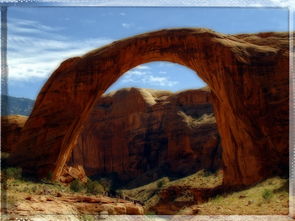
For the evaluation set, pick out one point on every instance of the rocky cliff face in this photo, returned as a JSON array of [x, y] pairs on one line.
[[11, 127], [132, 131]]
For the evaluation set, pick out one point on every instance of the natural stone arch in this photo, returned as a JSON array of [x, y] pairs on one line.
[[247, 74]]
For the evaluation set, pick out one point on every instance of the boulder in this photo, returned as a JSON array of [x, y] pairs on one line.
[[71, 173]]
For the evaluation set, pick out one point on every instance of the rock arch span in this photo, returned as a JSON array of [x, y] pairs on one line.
[[247, 74]]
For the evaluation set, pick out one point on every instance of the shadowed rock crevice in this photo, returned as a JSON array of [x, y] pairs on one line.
[[134, 131], [248, 75]]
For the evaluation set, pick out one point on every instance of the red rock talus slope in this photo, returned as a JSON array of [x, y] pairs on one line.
[[247, 74], [11, 127], [132, 131]]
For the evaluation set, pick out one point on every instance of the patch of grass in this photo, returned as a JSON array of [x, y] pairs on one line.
[[246, 202], [77, 186], [162, 182], [207, 173], [150, 213], [34, 187], [106, 183], [267, 194], [85, 217], [200, 179], [94, 187], [262, 199], [148, 194], [217, 198], [13, 173]]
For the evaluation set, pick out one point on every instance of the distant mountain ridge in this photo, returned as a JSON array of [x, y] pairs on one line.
[[16, 106]]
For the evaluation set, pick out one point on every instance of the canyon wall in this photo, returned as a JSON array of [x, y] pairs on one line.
[[133, 131]]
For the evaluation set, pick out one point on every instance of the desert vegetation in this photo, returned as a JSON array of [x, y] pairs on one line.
[[267, 197]]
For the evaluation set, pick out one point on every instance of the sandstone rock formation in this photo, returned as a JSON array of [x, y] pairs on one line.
[[66, 204], [73, 172], [175, 198], [247, 74], [11, 127], [133, 131]]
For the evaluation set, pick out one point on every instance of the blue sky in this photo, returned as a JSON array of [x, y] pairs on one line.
[[40, 38]]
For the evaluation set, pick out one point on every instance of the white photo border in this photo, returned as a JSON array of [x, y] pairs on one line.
[[289, 4]]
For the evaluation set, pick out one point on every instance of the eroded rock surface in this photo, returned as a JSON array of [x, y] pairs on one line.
[[66, 204], [247, 74], [133, 131], [71, 173], [11, 127]]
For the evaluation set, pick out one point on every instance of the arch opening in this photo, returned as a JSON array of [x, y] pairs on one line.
[[160, 76], [138, 131]]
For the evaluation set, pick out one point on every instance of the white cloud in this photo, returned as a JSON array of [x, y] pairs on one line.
[[38, 54], [122, 13], [161, 81], [35, 51], [162, 72], [142, 67], [283, 3], [137, 73], [143, 74], [33, 25], [127, 25]]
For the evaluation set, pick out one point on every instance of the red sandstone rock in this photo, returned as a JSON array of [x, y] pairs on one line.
[[174, 199], [132, 131], [73, 172], [76, 205], [247, 74], [11, 127]]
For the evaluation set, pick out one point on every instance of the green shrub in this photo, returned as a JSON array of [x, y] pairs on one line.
[[13, 172], [207, 173], [4, 155], [120, 193], [85, 217], [150, 213], [160, 183], [217, 198], [267, 194], [26, 189], [76, 186], [34, 189], [106, 183], [94, 187]]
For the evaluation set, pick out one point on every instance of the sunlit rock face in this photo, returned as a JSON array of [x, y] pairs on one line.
[[248, 76], [133, 131]]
